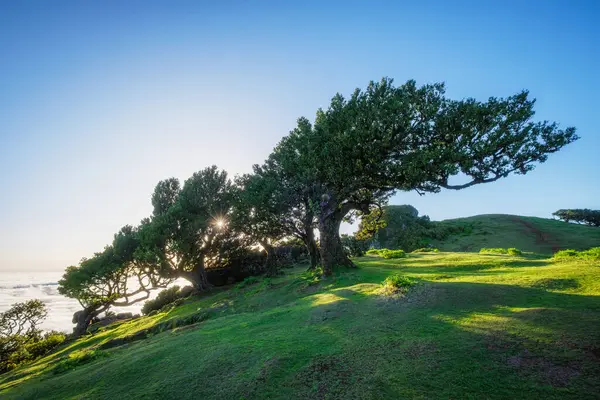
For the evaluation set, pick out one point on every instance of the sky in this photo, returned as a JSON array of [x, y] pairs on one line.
[[101, 100]]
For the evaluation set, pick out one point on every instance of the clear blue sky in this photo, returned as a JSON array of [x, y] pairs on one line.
[[101, 100]]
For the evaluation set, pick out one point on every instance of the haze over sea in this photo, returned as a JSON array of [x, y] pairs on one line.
[[21, 286]]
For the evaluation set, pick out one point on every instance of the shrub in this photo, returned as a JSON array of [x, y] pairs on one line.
[[163, 299], [251, 280], [426, 250], [373, 252], [385, 253], [489, 250], [592, 254], [513, 251], [50, 341], [396, 283]]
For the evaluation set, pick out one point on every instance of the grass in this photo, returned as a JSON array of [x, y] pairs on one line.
[[529, 234], [471, 326]]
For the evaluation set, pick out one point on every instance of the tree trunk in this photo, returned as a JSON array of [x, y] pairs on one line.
[[271, 263], [332, 252], [311, 247], [83, 318], [197, 277]]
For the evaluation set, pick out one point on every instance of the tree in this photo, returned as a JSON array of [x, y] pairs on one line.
[[395, 227], [117, 276], [270, 209], [580, 216], [362, 149], [18, 329], [189, 225], [23, 319]]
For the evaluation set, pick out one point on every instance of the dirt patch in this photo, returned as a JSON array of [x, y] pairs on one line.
[[325, 377], [542, 238], [553, 374]]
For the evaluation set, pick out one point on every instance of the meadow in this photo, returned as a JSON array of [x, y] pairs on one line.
[[471, 326]]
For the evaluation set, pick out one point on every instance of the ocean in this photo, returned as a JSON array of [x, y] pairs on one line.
[[21, 286]]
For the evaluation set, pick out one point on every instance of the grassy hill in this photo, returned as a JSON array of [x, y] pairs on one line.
[[474, 326], [538, 235]]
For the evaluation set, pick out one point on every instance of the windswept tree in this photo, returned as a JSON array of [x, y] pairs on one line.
[[364, 148], [114, 277], [189, 225], [23, 319], [579, 215]]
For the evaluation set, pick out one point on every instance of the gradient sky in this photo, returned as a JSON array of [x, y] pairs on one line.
[[101, 100]]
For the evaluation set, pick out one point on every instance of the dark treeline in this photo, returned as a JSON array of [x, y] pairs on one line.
[[346, 163], [579, 216]]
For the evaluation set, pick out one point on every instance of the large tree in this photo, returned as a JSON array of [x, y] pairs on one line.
[[116, 276], [362, 149], [189, 225]]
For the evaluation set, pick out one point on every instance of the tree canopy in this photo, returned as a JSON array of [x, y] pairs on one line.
[[580, 216], [362, 149]]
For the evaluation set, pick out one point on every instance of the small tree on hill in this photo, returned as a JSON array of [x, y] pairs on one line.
[[114, 277], [580, 216], [362, 149]]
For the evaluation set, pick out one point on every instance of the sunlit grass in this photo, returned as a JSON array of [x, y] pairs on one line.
[[303, 336]]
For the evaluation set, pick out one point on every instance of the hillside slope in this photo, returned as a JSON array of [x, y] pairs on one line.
[[538, 235], [475, 326]]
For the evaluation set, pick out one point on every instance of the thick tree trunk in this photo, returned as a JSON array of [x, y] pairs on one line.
[[332, 252], [311, 247], [83, 318], [271, 263], [197, 277]]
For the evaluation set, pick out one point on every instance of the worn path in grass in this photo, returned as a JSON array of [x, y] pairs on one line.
[[475, 326]]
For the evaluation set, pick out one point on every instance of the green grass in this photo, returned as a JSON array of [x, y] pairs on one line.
[[471, 326], [529, 234]]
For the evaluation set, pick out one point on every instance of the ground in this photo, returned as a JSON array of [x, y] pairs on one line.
[[474, 326], [538, 235]]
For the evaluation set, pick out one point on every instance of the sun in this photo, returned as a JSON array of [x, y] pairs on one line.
[[220, 223]]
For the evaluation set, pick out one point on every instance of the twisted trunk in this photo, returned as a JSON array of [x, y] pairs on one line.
[[83, 318], [197, 277], [330, 219], [271, 263]]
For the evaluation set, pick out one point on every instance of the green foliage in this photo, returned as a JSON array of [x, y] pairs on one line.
[[353, 246], [251, 280], [580, 216], [398, 227], [20, 339], [513, 251], [592, 254], [373, 252], [397, 283], [388, 254], [163, 299], [426, 250]]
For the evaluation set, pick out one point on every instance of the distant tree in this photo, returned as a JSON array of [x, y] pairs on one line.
[[117, 276], [395, 227], [580, 216], [353, 246], [23, 319], [364, 148], [189, 225], [19, 329]]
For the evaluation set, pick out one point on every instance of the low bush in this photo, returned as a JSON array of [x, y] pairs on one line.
[[396, 283], [49, 342], [251, 280], [592, 254], [426, 250], [373, 252], [163, 299], [513, 251], [385, 253]]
